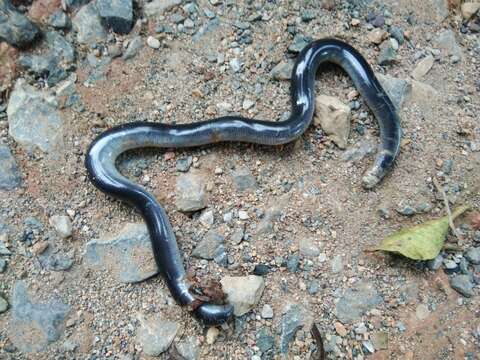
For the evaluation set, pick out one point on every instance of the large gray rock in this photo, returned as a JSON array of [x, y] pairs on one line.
[[208, 247], [33, 119], [9, 173], [155, 334], [397, 89], [88, 25], [116, 14], [190, 193], [356, 301], [243, 292], [128, 256], [15, 28], [35, 325], [158, 7], [446, 42]]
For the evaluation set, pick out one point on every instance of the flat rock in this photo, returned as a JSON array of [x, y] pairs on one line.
[[265, 341], [243, 179], [360, 150], [282, 71], [208, 247], [446, 42], [337, 264], [243, 292], [334, 118], [422, 94], [292, 321], [128, 255], [15, 28], [462, 284], [116, 14], [387, 55], [35, 325], [423, 67], [439, 9], [3, 305], [190, 193], [396, 89], [33, 118], [188, 348], [308, 248], [59, 20], [9, 173], [356, 301], [158, 7], [88, 25], [155, 334]]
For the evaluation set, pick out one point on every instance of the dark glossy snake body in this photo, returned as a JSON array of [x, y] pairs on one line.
[[105, 149]]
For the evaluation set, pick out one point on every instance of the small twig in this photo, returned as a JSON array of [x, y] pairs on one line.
[[320, 354], [447, 208]]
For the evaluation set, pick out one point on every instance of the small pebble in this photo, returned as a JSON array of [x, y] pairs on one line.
[[152, 42], [267, 312]]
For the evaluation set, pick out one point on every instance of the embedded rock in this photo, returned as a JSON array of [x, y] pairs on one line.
[[128, 256]]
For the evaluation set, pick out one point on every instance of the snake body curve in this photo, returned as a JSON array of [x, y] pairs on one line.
[[105, 149]]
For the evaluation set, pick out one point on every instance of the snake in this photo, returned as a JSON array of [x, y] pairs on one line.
[[103, 152]]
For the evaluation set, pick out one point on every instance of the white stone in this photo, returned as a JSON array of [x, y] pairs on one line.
[[267, 312], [247, 104], [334, 118], [152, 42], [469, 9], [212, 335], [62, 225], [423, 67], [243, 215], [243, 292]]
